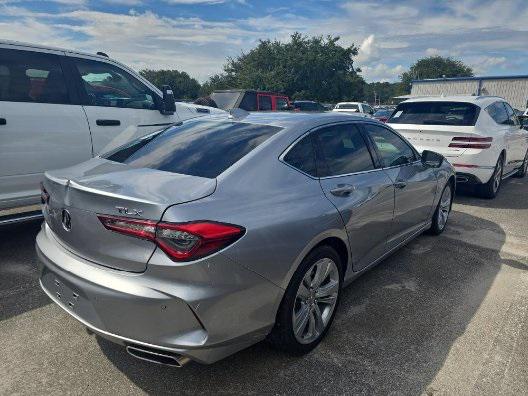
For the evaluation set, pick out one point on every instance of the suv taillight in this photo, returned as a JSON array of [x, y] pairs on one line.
[[471, 142], [179, 241]]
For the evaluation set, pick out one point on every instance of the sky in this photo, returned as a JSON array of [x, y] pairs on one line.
[[196, 36]]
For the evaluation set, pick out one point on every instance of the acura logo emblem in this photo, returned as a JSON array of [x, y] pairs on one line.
[[66, 220]]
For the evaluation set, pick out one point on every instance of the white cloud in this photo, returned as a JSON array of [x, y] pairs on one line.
[[382, 72]]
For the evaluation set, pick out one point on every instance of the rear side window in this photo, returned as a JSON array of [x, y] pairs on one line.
[[27, 76], [498, 112], [197, 148], [264, 102], [110, 86], [435, 113], [302, 156], [342, 150]]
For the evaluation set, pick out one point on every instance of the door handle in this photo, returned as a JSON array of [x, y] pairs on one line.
[[108, 122], [400, 185], [3, 121], [343, 190]]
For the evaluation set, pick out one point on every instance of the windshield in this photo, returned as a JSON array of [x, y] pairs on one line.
[[435, 113], [197, 148]]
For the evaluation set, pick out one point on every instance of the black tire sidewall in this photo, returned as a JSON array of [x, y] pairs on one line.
[[435, 226], [282, 335]]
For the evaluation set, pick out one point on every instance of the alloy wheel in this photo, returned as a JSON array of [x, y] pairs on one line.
[[444, 207], [315, 300]]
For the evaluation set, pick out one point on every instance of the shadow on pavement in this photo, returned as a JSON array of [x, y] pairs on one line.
[[19, 287], [512, 195], [393, 330]]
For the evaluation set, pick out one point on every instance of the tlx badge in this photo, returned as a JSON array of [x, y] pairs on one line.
[[127, 211]]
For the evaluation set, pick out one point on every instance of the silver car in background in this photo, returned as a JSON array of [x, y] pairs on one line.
[[197, 241]]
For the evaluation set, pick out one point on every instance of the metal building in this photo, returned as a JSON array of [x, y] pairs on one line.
[[512, 88]]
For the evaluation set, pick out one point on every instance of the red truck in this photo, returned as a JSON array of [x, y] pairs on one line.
[[250, 100]]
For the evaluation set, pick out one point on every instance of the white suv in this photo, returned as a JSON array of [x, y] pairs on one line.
[[480, 135], [358, 108], [60, 107]]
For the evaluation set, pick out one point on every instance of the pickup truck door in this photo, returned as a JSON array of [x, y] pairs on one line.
[[119, 107], [41, 127]]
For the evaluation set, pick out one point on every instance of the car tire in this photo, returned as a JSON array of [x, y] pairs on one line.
[[524, 168], [490, 189], [307, 310], [443, 209]]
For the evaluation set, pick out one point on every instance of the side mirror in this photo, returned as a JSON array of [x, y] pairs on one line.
[[168, 105], [432, 159]]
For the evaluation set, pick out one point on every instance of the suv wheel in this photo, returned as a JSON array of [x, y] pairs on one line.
[[309, 303], [524, 168], [490, 189]]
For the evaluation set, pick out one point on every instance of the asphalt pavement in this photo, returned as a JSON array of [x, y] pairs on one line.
[[444, 315]]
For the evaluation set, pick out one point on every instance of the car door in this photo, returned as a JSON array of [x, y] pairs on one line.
[[518, 138], [362, 192], [414, 183], [505, 130], [119, 107], [41, 127]]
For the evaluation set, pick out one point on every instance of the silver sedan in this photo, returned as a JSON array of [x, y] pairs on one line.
[[197, 241]]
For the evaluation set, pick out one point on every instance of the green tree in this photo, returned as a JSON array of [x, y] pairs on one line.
[[434, 67], [184, 86], [383, 92], [315, 68]]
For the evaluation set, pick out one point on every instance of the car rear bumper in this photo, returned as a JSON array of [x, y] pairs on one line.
[[203, 321]]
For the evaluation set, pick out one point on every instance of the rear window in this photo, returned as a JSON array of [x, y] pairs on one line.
[[348, 106], [197, 148], [435, 113]]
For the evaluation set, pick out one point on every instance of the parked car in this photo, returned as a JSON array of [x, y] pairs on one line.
[[308, 105], [480, 135], [61, 107], [382, 115], [168, 246], [362, 109], [250, 100]]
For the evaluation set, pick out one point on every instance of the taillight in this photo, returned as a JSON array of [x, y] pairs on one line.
[[44, 196], [180, 241], [471, 142]]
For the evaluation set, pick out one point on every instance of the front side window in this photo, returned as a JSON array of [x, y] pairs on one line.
[[264, 102], [302, 156], [368, 109], [498, 112], [511, 114], [27, 76], [393, 149], [109, 86], [342, 150], [197, 148], [435, 113]]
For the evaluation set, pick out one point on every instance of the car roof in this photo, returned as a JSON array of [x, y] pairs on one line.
[[304, 121], [349, 103], [481, 101], [45, 47]]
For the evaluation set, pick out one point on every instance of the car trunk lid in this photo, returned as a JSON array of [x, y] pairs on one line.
[[77, 195]]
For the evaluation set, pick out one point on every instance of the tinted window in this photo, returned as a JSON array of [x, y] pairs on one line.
[[249, 102], [382, 113], [109, 86], [198, 148], [392, 149], [27, 76], [511, 114], [348, 106], [264, 102], [342, 150], [498, 112], [302, 156], [368, 109], [435, 113]]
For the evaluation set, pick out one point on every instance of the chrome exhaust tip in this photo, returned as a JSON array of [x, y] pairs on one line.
[[157, 356]]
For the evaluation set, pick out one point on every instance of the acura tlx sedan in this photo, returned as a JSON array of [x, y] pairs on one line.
[[197, 241]]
